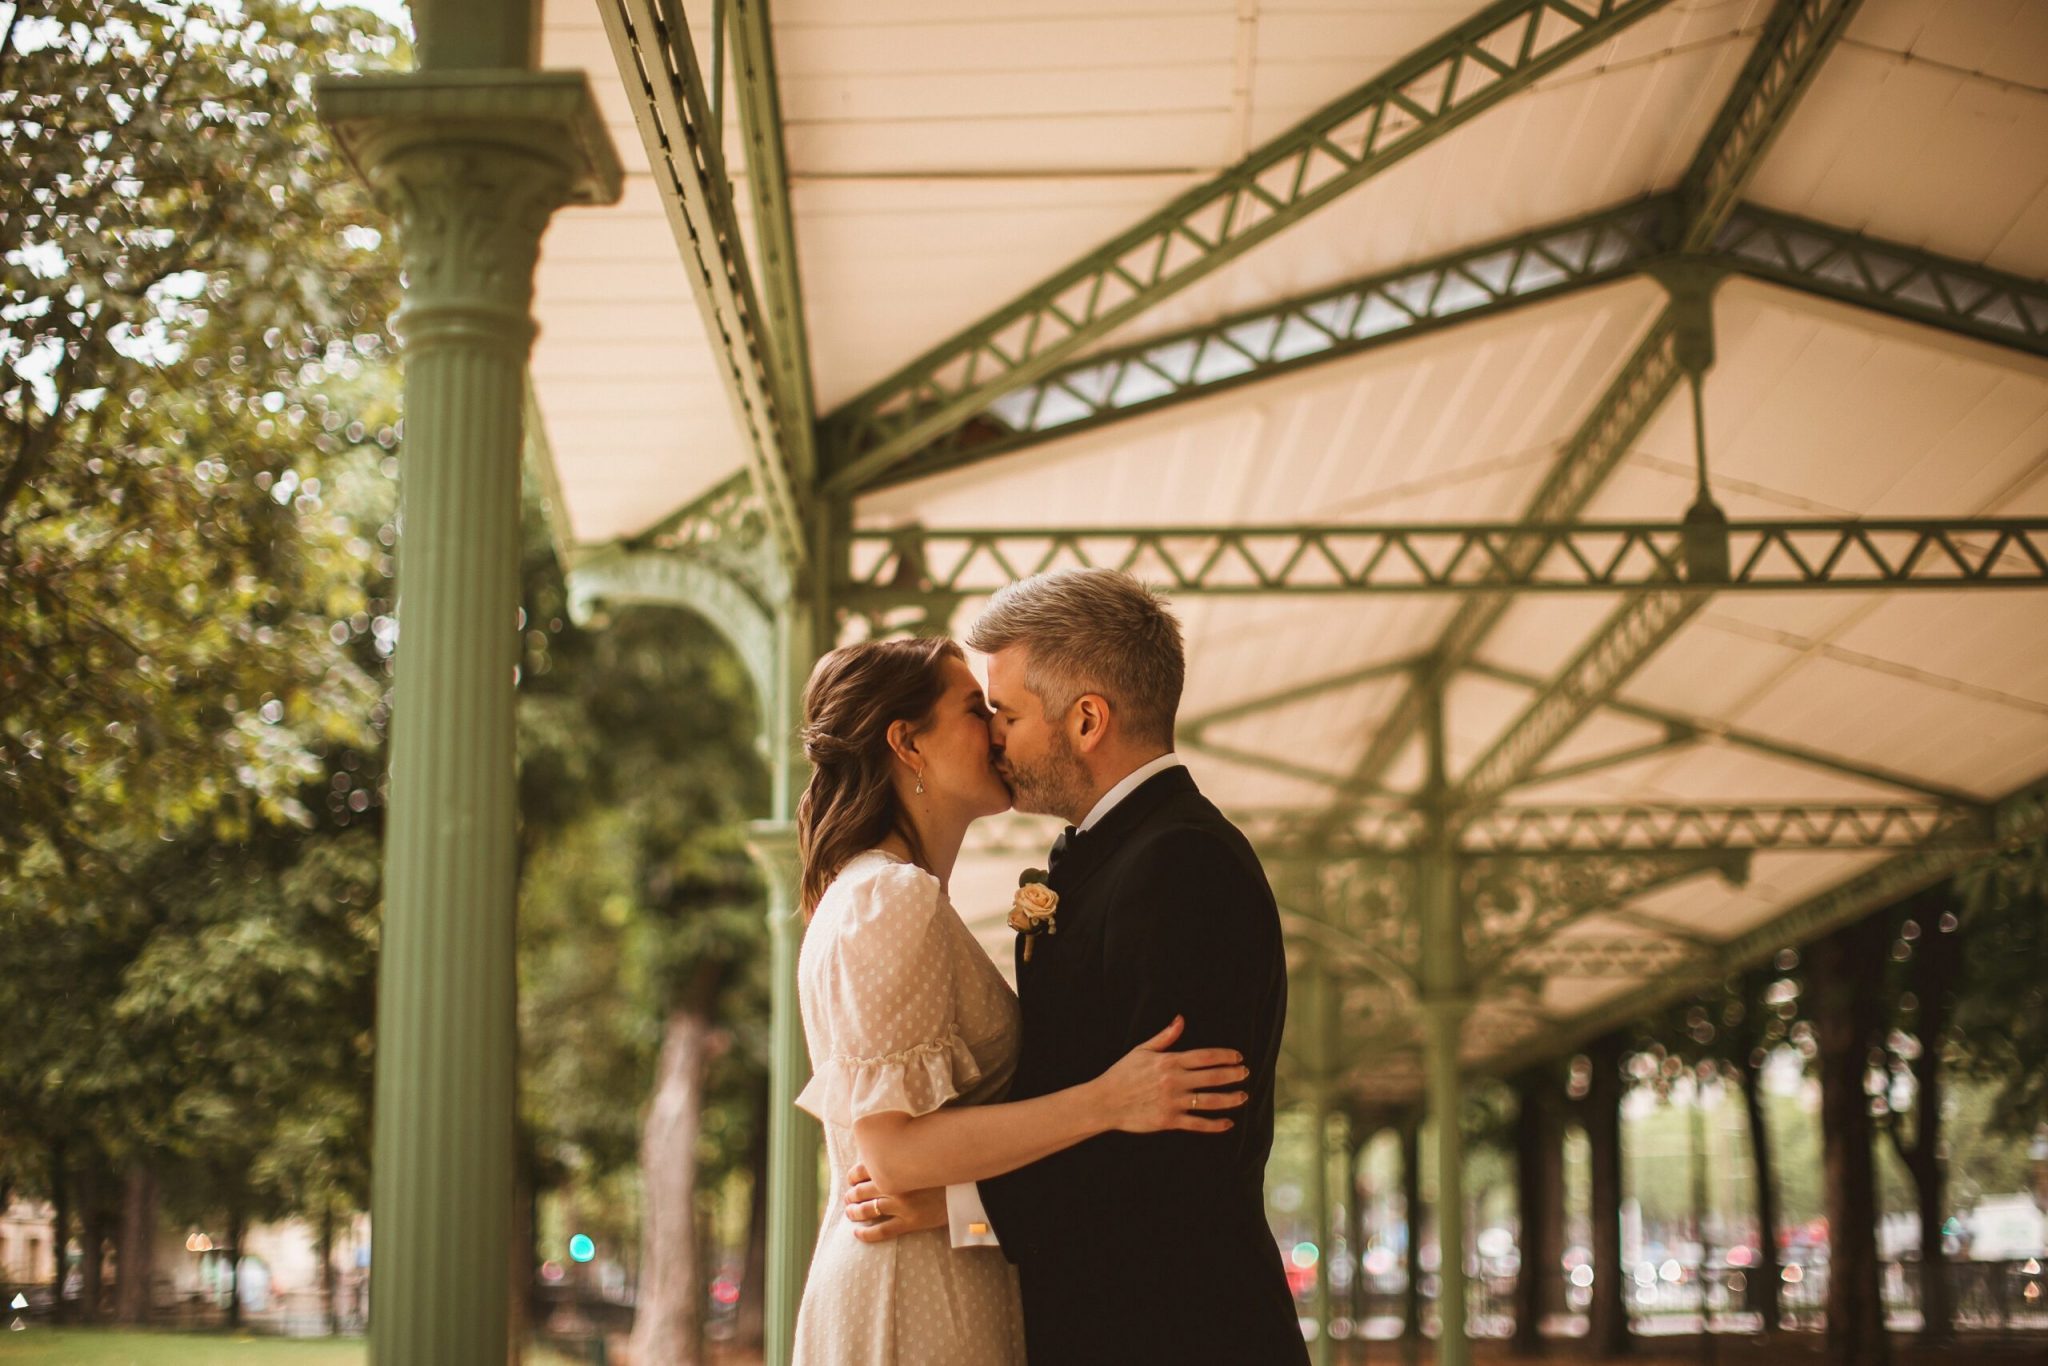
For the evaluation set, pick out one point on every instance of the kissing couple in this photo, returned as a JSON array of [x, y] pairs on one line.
[[1071, 1173]]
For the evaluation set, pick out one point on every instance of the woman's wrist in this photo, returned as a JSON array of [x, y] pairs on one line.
[[1097, 1106]]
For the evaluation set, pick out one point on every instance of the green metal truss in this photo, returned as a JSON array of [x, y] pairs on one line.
[[1957, 296], [1515, 904], [2020, 816], [788, 341], [1390, 830], [651, 42], [902, 567], [1622, 644], [1796, 39], [1623, 827], [1477, 283], [1714, 732], [1635, 394], [1361, 315], [1474, 66], [1630, 956]]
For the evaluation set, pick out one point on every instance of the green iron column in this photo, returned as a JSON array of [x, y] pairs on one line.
[[470, 163], [1445, 1002], [1322, 1023], [793, 1196]]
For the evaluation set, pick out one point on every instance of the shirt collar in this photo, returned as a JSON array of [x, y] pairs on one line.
[[1130, 783]]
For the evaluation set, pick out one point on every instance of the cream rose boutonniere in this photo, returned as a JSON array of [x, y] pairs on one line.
[[1035, 910]]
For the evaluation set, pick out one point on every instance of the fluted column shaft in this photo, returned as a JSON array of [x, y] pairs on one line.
[[471, 169]]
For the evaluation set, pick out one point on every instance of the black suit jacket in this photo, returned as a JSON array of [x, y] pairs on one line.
[[1141, 1248]]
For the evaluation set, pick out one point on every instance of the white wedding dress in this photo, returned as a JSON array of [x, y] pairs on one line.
[[902, 1011]]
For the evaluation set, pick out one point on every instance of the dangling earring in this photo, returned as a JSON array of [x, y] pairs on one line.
[[920, 784]]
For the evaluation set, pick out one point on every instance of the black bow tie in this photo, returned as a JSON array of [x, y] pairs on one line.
[[1060, 848]]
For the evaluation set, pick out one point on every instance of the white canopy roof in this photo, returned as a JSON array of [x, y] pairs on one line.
[[945, 158]]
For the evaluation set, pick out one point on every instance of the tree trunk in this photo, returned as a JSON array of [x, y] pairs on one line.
[[668, 1324], [135, 1279], [1932, 978], [92, 1240], [751, 1314], [1765, 1279], [1848, 968], [521, 1249], [1608, 1335], [1535, 1137], [238, 1227], [327, 1280], [1411, 1220], [60, 1232], [1361, 1131]]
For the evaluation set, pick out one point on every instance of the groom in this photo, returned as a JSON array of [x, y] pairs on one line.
[[1130, 1249]]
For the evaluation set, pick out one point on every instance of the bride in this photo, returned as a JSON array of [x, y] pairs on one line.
[[913, 1033]]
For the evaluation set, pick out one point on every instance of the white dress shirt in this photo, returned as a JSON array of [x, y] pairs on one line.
[[966, 1220]]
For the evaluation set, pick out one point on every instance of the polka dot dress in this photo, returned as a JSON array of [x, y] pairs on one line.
[[902, 1011]]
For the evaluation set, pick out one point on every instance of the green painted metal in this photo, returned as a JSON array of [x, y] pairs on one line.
[[1604, 956], [612, 578], [2020, 816], [1714, 732], [1627, 828], [1795, 41], [1905, 282], [788, 340], [1777, 72], [1600, 763], [1444, 977], [1470, 68], [471, 164], [1517, 904], [1321, 1009], [1300, 692], [1635, 394], [1414, 300], [650, 40], [1395, 829], [902, 567], [1617, 649]]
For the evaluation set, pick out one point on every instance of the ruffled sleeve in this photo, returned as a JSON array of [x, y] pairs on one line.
[[890, 1006]]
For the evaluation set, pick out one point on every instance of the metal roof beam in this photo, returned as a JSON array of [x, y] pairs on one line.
[[788, 343], [1796, 37], [651, 42], [1498, 52], [2018, 817], [1713, 732], [903, 567], [1904, 282], [1631, 399], [1622, 644], [1415, 299], [1547, 896]]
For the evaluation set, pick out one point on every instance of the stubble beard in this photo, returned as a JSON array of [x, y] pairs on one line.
[[1056, 786]]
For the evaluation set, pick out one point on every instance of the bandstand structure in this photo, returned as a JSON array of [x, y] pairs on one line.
[[1598, 448]]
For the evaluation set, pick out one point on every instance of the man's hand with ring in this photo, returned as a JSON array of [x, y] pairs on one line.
[[878, 1217]]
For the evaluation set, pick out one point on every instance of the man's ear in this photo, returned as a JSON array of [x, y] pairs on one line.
[[1090, 719]]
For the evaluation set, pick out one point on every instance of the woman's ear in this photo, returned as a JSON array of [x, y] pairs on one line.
[[902, 738]]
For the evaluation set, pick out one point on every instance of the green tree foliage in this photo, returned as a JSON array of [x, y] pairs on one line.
[[638, 765], [196, 421], [2001, 1018]]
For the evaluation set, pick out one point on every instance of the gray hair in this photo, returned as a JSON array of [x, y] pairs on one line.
[[1092, 631]]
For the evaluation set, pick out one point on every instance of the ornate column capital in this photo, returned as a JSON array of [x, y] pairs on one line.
[[472, 164]]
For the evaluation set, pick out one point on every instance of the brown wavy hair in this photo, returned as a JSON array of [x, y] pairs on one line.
[[855, 694]]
